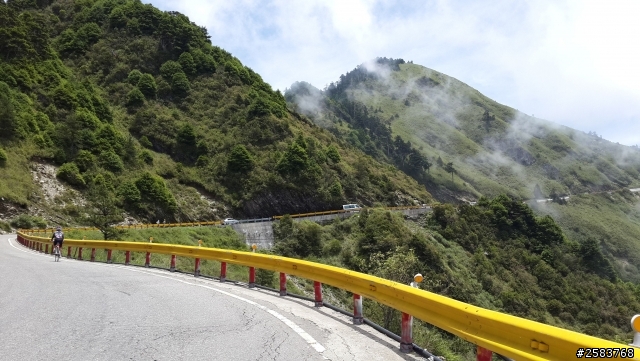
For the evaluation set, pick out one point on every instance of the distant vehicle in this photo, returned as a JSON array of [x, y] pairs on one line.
[[228, 221], [351, 207]]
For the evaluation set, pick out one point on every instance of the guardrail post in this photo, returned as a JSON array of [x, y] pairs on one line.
[[358, 319], [196, 272], [482, 354], [69, 252], [147, 260], [252, 277], [79, 252], [46, 248], [127, 258], [93, 254], [317, 288], [172, 268], [406, 333], [406, 330], [223, 271], [109, 260], [283, 284]]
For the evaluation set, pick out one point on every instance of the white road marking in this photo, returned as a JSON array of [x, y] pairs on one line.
[[297, 329]]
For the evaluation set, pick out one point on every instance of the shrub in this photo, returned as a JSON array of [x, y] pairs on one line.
[[109, 160], [70, 173], [144, 141], [3, 157], [265, 277], [134, 77], [85, 160], [332, 153], [333, 248], [5, 226], [146, 157], [147, 85], [135, 98], [26, 221]]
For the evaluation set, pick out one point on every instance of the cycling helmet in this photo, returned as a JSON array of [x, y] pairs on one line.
[[58, 228]]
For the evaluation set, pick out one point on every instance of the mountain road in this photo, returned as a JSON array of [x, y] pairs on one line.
[[78, 310]]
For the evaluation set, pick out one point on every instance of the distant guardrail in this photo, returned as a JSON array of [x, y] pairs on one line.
[[220, 223], [507, 335]]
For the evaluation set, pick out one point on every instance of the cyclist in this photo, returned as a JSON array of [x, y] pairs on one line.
[[57, 238]]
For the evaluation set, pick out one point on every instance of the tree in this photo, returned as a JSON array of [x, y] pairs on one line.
[[180, 85], [239, 160], [103, 207], [294, 160], [332, 153], [488, 118], [169, 69], [7, 114], [85, 160], [187, 63], [440, 162], [135, 98], [147, 85], [450, 169]]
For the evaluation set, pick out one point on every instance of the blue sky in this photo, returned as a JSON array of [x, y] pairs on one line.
[[573, 62]]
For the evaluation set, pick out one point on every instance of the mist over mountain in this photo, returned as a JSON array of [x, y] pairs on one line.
[[462, 145]]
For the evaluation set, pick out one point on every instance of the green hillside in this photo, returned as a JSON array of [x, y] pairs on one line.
[[138, 103], [462, 145]]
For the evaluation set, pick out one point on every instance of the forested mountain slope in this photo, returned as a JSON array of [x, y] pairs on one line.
[[138, 103], [462, 145]]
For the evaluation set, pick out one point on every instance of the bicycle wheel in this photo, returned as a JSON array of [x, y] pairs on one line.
[[56, 254]]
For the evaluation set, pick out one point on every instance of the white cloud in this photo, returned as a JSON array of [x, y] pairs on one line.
[[574, 62]]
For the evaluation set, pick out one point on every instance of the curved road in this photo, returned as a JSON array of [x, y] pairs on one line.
[[77, 310]]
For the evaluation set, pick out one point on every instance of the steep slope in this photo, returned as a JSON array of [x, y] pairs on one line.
[[122, 95], [462, 145]]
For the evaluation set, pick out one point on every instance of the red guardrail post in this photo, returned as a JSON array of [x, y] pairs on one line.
[[283, 284], [109, 260], [482, 354], [406, 333], [358, 319], [252, 277], [173, 263], [69, 252], [93, 254], [147, 260], [317, 288], [127, 258], [196, 272], [223, 271], [79, 252]]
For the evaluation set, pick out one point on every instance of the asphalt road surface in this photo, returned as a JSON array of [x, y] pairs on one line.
[[77, 310]]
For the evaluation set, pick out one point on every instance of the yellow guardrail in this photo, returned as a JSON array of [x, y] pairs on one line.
[[215, 223], [510, 336]]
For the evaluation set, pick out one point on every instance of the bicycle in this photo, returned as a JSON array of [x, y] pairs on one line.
[[56, 253]]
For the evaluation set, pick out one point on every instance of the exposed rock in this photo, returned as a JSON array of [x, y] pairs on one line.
[[282, 202], [45, 175], [551, 171]]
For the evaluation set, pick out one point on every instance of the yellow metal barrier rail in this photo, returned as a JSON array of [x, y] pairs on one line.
[[510, 336], [216, 223]]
